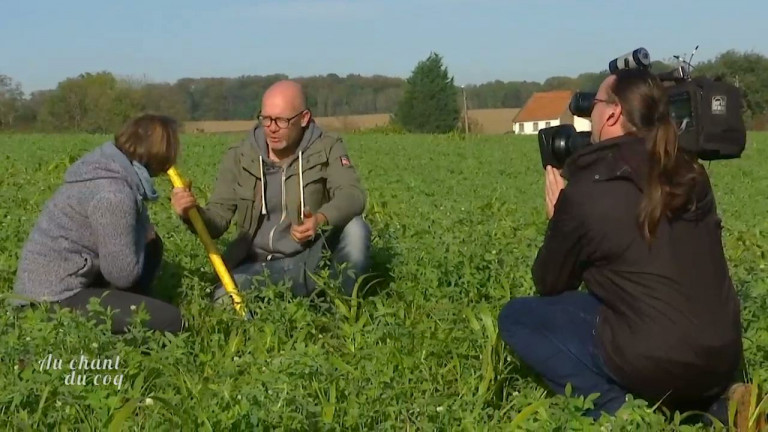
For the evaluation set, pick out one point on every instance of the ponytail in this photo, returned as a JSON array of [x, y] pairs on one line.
[[661, 143], [671, 178], [672, 173]]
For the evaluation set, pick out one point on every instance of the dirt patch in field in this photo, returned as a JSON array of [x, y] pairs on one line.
[[486, 121], [492, 120]]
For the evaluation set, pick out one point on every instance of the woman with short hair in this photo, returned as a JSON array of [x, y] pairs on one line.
[[94, 238]]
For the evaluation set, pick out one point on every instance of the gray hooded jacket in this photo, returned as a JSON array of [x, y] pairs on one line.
[[273, 239], [95, 222]]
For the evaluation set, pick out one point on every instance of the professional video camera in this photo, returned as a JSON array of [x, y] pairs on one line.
[[707, 113]]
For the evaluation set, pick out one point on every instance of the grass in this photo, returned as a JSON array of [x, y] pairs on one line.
[[456, 226]]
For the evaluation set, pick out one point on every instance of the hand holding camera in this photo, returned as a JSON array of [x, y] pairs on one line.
[[553, 184]]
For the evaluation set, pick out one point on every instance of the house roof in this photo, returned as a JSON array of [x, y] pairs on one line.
[[544, 106]]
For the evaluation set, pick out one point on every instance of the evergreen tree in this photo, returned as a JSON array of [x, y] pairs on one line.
[[430, 102]]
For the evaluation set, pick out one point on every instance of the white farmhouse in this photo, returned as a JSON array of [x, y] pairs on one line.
[[545, 109]]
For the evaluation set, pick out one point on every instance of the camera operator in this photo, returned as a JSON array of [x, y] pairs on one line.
[[638, 224]]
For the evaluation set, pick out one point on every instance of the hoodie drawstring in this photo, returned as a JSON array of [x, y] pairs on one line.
[[263, 189], [301, 186]]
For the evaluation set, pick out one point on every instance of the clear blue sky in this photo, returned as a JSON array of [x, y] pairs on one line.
[[44, 42]]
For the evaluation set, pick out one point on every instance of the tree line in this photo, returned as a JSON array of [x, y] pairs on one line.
[[100, 102]]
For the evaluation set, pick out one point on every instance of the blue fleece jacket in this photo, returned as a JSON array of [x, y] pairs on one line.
[[96, 222]]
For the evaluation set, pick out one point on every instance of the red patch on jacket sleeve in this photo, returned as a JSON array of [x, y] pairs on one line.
[[344, 161]]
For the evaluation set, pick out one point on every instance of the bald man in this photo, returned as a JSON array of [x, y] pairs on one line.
[[293, 191]]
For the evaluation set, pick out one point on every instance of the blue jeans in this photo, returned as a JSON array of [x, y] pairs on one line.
[[350, 247], [555, 336]]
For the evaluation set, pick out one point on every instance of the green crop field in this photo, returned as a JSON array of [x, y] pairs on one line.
[[456, 227]]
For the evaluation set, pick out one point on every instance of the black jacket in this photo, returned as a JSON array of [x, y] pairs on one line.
[[670, 320]]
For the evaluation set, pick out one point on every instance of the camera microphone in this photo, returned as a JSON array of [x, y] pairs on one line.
[[639, 58]]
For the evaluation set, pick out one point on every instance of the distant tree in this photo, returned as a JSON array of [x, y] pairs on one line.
[[559, 83], [662, 65], [749, 71], [90, 102], [164, 98], [430, 101], [590, 81], [31, 107], [100, 102], [11, 98]]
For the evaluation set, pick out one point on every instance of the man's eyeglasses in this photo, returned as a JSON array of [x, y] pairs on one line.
[[281, 122]]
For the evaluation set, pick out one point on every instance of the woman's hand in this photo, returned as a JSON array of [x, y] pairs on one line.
[[553, 184], [183, 200]]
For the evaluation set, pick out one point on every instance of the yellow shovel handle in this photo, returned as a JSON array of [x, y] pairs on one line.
[[210, 247]]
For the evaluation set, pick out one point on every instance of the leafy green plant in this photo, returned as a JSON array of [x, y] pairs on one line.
[[456, 224]]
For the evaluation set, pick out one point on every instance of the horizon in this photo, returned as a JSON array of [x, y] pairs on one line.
[[199, 40]]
